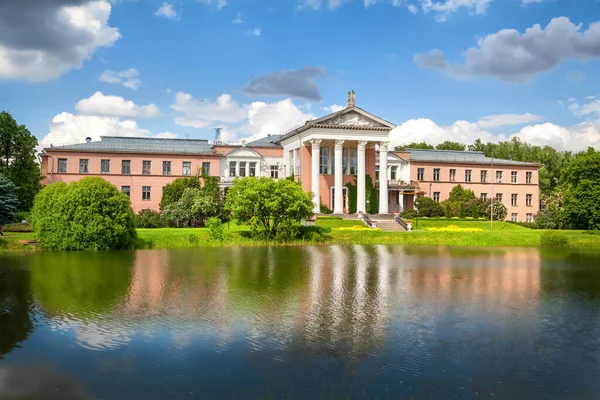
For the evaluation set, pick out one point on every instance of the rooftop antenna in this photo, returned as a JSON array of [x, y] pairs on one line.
[[218, 135]]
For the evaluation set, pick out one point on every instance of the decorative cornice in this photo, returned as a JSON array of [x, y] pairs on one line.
[[354, 127]]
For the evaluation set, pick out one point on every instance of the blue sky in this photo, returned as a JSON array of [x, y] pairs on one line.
[[439, 69]]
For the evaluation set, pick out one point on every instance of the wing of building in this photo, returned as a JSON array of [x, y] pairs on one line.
[[350, 146]]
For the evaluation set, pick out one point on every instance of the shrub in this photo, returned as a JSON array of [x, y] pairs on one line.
[[447, 209], [409, 214], [193, 239], [474, 211], [428, 207], [150, 219], [554, 239], [17, 227], [193, 209], [499, 210], [461, 211], [324, 210], [23, 215], [173, 191], [90, 214], [216, 229]]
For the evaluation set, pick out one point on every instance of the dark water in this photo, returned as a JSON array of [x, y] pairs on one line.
[[306, 323]]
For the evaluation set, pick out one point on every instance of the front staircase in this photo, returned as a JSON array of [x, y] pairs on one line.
[[385, 222]]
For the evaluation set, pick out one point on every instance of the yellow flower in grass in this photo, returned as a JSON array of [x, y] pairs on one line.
[[454, 228], [358, 228]]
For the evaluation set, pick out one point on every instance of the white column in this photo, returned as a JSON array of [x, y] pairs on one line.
[[361, 194], [401, 200], [316, 177], [237, 169], [383, 178], [338, 207]]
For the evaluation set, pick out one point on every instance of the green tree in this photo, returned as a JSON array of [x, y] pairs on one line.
[[8, 201], [428, 207], [267, 205], [415, 145], [193, 208], [552, 213], [582, 194], [458, 193], [173, 191], [448, 145], [18, 160], [461, 211], [447, 209], [90, 214], [499, 210], [474, 211]]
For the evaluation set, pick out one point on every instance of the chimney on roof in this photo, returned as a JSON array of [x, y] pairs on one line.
[[88, 139]]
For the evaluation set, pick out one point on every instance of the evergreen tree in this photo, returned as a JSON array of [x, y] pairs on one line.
[[8, 201]]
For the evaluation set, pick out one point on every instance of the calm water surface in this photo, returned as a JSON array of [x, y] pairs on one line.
[[306, 323]]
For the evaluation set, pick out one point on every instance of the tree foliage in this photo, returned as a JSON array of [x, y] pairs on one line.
[[173, 191], [193, 208], [458, 193], [428, 207], [90, 214], [18, 160], [415, 145], [582, 191], [499, 210], [8, 201], [448, 145], [267, 205]]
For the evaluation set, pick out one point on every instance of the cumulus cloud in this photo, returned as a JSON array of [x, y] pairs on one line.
[[333, 108], [218, 4], [443, 9], [130, 78], [202, 113], [331, 4], [167, 10], [41, 39], [274, 118], [591, 109], [300, 84], [114, 106], [514, 57], [498, 120]]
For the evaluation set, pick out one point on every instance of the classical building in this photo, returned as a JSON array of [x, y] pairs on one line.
[[348, 146]]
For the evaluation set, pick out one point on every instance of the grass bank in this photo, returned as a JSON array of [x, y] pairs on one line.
[[504, 234]]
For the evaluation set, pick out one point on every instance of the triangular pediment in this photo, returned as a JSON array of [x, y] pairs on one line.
[[352, 118], [242, 152]]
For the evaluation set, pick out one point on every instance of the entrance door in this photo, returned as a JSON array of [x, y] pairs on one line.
[[344, 199]]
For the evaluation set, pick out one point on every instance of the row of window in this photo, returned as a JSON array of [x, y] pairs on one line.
[[146, 191], [126, 167], [238, 169], [514, 198], [514, 176]]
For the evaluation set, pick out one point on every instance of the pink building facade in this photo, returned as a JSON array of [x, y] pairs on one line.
[[323, 154]]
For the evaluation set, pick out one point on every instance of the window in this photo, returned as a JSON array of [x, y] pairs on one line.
[[483, 176], [187, 168], [420, 174], [126, 190], [529, 217], [324, 160], [83, 165], [393, 172], [166, 167], [436, 174], [436, 196], [377, 172], [62, 165], [513, 199], [145, 192], [296, 161], [483, 196], [232, 165], [528, 176], [499, 197], [146, 167], [514, 217], [291, 164], [105, 166], [513, 177], [498, 176], [206, 168], [528, 200], [126, 167], [353, 161], [452, 175], [274, 171], [468, 175], [252, 169], [345, 162], [242, 168]]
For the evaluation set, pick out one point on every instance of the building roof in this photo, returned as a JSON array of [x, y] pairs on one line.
[[140, 145], [267, 141], [453, 156]]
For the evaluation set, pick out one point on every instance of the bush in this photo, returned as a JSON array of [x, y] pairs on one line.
[[90, 214], [17, 227], [150, 219], [447, 209], [193, 239], [409, 214], [428, 207], [554, 239], [474, 211], [499, 210], [216, 229], [461, 211], [324, 210], [23, 215]]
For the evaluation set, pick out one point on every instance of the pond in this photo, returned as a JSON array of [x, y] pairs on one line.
[[301, 322]]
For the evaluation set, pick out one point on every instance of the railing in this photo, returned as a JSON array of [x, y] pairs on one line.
[[370, 223], [401, 221]]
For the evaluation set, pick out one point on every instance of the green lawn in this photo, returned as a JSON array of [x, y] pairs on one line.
[[424, 223]]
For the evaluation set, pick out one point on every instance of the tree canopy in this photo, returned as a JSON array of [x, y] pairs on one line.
[[173, 191], [415, 145], [449, 145], [458, 193], [90, 214], [8, 201], [582, 191], [18, 160]]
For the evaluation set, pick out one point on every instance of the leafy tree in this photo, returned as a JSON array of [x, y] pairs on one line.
[[461, 212], [428, 207], [90, 214], [18, 160], [268, 205], [193, 208], [498, 208], [458, 193], [8, 201], [448, 145], [582, 194], [415, 145], [447, 209], [173, 191], [552, 213]]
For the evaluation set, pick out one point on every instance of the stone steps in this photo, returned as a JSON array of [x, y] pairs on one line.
[[388, 225]]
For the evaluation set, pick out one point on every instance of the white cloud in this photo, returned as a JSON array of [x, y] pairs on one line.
[[201, 113], [114, 106], [254, 32], [443, 9], [41, 40], [130, 78], [514, 57], [494, 121], [333, 108], [590, 109], [166, 10], [238, 19], [412, 9], [527, 2], [219, 4], [273, 118]]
